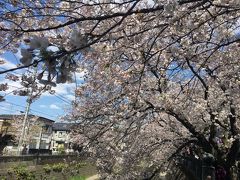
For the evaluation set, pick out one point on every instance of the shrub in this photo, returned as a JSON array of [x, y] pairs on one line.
[[47, 168], [61, 150], [80, 165], [21, 172], [59, 167]]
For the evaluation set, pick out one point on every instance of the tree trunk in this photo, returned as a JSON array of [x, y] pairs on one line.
[[231, 173], [228, 174]]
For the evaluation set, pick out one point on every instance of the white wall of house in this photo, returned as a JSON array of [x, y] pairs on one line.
[[60, 139]]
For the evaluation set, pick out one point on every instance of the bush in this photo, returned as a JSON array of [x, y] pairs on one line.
[[80, 165], [22, 173], [59, 167], [47, 168], [61, 150]]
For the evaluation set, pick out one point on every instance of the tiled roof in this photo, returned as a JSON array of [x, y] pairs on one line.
[[10, 116], [62, 126], [13, 116], [44, 119]]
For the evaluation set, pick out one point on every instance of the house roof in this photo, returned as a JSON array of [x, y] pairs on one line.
[[13, 116], [45, 119], [6, 117], [62, 126]]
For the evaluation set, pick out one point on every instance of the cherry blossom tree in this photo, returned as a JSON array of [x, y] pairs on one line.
[[160, 75], [31, 129]]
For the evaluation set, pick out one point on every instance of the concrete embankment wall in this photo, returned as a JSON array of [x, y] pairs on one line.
[[31, 160]]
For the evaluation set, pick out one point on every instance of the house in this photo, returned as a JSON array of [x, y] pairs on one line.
[[37, 137], [41, 136], [61, 138]]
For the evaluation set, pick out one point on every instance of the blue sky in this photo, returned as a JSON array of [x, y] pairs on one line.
[[49, 106]]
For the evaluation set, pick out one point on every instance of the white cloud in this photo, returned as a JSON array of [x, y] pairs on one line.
[[68, 89], [80, 75], [12, 85], [7, 64], [70, 97], [64, 88], [54, 106]]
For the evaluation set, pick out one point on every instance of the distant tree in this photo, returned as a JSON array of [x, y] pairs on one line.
[[160, 75]]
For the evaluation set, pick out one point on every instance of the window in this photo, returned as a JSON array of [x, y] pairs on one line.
[[60, 134], [43, 144], [33, 144]]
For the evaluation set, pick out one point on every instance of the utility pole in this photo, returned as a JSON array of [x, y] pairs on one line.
[[25, 120], [21, 139]]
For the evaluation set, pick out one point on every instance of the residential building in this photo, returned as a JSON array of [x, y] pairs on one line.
[[41, 136], [61, 138], [37, 137]]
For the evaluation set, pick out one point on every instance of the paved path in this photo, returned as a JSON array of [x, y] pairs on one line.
[[95, 177]]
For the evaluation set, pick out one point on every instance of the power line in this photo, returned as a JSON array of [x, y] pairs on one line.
[[20, 110], [63, 99], [43, 113], [30, 109], [14, 72], [33, 110], [59, 96], [8, 110]]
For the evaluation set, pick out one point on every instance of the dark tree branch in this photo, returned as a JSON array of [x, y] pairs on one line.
[[182, 119]]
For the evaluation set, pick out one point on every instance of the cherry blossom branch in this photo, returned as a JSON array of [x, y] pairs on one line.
[[21, 67], [100, 18]]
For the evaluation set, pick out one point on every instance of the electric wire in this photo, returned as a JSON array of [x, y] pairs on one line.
[[63, 99], [8, 110], [14, 72], [33, 110]]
